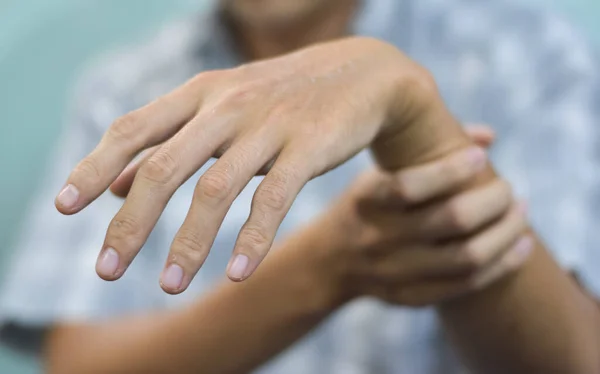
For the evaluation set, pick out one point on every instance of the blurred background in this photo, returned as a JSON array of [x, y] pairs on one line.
[[45, 44]]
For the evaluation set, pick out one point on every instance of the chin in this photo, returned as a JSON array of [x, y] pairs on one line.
[[271, 13]]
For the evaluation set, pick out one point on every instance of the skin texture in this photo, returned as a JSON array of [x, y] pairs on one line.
[[536, 321], [398, 112], [303, 129], [352, 250]]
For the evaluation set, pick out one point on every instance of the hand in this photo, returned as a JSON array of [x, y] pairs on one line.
[[294, 117], [409, 239]]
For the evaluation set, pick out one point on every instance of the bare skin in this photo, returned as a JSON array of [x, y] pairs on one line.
[[296, 117], [354, 249]]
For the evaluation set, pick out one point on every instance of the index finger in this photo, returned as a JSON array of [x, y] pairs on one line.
[[124, 139]]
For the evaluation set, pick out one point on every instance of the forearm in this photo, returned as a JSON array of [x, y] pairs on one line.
[[233, 330], [538, 321]]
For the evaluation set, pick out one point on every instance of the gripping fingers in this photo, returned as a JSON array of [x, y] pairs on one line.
[[422, 183], [508, 263], [488, 246], [435, 291], [470, 255], [465, 213], [465, 257]]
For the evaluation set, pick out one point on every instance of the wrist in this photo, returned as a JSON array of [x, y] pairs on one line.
[[419, 127]]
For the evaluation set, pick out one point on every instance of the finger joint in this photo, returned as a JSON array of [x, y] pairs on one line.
[[215, 186], [161, 168], [188, 245]]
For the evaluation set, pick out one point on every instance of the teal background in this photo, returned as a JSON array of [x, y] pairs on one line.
[[44, 44]]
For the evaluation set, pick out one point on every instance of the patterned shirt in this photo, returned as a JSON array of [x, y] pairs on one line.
[[518, 68]]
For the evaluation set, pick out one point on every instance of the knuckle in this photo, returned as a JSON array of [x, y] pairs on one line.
[[245, 71], [161, 168], [241, 94], [420, 82], [203, 80], [272, 195], [215, 185], [279, 112], [245, 151], [254, 237], [90, 169], [459, 216], [125, 128], [453, 170], [189, 246], [403, 189], [126, 229], [471, 257], [206, 76]]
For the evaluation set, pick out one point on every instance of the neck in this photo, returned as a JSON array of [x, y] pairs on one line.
[[259, 41]]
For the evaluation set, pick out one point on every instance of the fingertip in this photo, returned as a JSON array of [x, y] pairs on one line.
[[482, 135], [108, 278], [67, 200], [172, 279], [476, 157], [170, 291], [489, 139], [108, 265], [523, 248], [238, 268]]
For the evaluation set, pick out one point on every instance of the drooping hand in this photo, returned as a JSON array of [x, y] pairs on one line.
[[293, 117]]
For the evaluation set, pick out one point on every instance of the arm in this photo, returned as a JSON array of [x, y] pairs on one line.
[[537, 321], [234, 329], [327, 112], [540, 320], [239, 326]]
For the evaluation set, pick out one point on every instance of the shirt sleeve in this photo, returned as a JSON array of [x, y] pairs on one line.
[[52, 278], [544, 85]]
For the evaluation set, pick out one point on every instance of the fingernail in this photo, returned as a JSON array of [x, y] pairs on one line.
[[238, 267], [477, 158], [67, 198], [524, 247], [172, 277], [108, 263]]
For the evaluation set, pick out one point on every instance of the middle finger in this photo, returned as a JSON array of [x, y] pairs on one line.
[[154, 184]]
